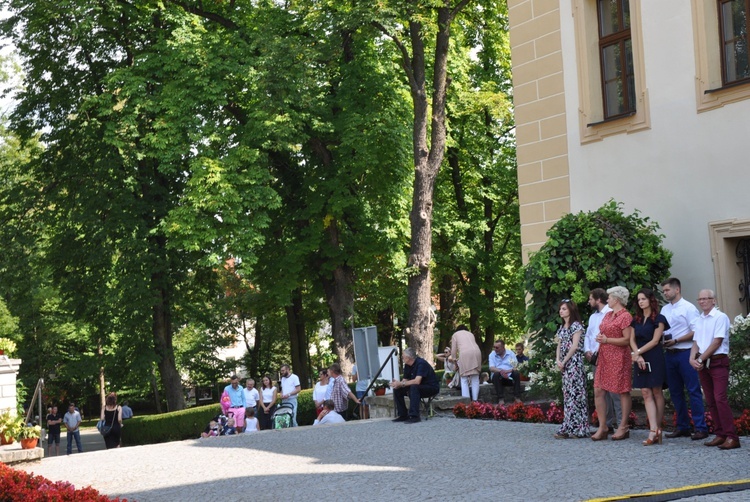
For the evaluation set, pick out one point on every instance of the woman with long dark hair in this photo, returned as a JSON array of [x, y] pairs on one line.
[[267, 404], [569, 360], [649, 368]]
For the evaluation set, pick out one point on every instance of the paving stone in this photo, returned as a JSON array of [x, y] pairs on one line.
[[440, 459]]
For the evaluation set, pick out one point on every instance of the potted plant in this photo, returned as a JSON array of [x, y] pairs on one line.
[[380, 385], [29, 436], [10, 426]]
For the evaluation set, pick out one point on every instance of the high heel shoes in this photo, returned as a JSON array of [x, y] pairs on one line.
[[656, 440], [624, 435], [594, 437]]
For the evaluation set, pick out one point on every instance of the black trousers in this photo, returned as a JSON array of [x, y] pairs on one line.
[[415, 393], [500, 383]]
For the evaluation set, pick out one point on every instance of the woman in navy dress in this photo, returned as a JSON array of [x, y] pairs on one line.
[[649, 371]]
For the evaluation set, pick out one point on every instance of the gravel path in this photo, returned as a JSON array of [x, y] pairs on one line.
[[440, 459]]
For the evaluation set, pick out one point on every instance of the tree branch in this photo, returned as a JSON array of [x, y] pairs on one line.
[[211, 16], [405, 58], [458, 8]]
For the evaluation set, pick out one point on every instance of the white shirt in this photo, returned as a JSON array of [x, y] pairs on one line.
[[289, 384], [681, 317], [267, 395], [595, 320], [713, 325], [319, 392], [331, 418], [251, 397]]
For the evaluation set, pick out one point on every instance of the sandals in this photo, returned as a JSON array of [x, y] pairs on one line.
[[656, 440], [625, 435]]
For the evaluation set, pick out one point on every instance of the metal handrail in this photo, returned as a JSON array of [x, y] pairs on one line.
[[38, 396], [382, 367]]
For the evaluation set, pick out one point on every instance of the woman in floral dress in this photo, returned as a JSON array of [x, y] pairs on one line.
[[570, 362], [613, 368]]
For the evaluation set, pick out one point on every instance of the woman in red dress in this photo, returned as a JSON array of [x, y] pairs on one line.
[[613, 372]]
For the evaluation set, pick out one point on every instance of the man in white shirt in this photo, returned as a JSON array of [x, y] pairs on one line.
[[328, 415], [72, 421], [252, 396], [710, 358], [678, 340], [598, 302], [290, 387], [503, 371]]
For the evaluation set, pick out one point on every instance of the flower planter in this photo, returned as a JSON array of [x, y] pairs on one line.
[[380, 392], [29, 443], [6, 441]]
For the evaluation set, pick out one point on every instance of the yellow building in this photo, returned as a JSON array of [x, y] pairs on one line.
[[646, 102]]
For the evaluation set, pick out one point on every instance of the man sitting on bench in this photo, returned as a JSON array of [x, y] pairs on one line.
[[503, 369], [419, 382]]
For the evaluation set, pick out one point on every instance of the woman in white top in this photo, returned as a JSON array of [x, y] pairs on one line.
[[319, 392], [267, 404]]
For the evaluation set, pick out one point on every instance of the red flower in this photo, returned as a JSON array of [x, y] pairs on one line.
[[555, 414], [22, 486]]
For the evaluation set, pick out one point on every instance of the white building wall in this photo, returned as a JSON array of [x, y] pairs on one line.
[[689, 169]]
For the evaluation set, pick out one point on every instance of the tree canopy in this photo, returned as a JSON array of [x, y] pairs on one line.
[[182, 175]]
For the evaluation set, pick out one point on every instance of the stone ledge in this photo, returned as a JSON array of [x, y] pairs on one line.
[[13, 453], [443, 403]]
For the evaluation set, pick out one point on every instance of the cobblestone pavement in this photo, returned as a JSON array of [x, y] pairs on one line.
[[373, 460]]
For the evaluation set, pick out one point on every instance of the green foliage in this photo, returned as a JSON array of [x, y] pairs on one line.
[[597, 249], [477, 225], [172, 426], [739, 378]]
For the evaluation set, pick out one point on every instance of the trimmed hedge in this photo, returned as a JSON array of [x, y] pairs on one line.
[[172, 426]]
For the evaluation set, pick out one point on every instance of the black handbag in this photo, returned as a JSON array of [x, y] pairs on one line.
[[594, 357], [105, 429]]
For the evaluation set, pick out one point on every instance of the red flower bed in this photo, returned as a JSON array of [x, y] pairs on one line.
[[21, 486], [516, 412], [742, 423]]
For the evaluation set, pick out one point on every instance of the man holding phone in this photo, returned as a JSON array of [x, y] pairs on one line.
[[678, 340], [710, 358]]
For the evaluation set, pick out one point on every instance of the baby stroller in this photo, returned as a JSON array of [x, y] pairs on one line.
[[282, 417]]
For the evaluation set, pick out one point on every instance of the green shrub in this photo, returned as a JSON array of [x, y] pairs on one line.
[[305, 408], [598, 249], [173, 426]]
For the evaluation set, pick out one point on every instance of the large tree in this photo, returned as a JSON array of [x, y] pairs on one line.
[[142, 180]]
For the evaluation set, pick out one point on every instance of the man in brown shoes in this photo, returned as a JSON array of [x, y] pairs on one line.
[[710, 358]]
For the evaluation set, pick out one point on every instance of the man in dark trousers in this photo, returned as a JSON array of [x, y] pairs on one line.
[[419, 381]]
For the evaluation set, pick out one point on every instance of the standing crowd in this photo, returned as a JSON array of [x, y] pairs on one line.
[[678, 346], [247, 409]]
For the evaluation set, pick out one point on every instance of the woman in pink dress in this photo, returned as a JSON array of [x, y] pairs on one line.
[[613, 373]]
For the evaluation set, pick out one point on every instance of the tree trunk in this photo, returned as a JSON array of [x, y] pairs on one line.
[[298, 338], [155, 388], [162, 330], [255, 352], [386, 329], [447, 324], [338, 290], [427, 160], [100, 355]]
